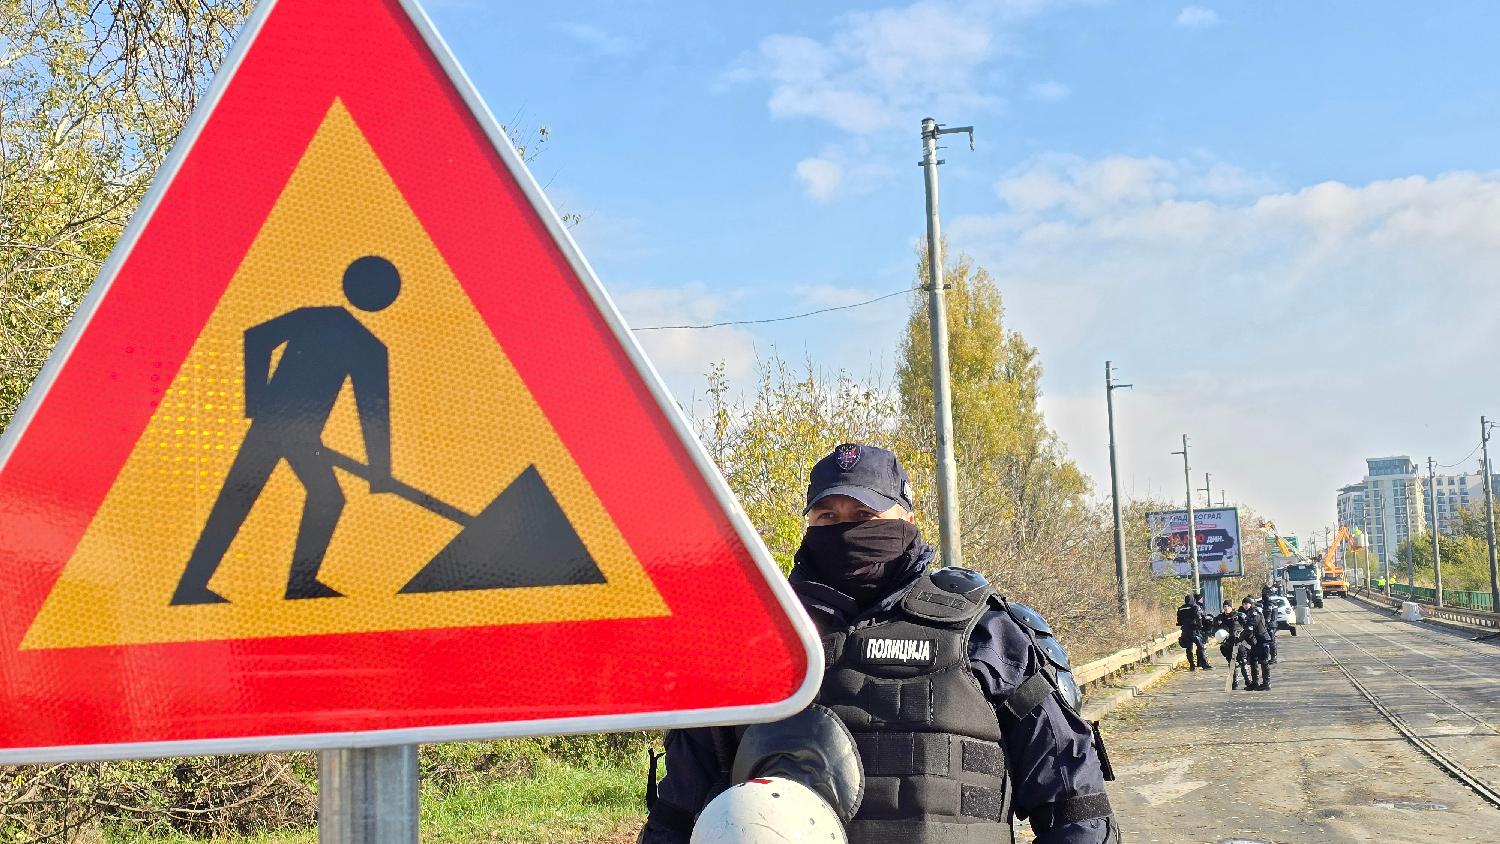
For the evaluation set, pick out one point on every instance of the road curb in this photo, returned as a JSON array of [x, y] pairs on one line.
[[1098, 708]]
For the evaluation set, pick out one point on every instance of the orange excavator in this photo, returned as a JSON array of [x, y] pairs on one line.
[[1333, 574]]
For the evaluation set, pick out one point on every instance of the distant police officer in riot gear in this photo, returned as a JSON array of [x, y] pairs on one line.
[[962, 704], [1257, 646], [1229, 621], [1190, 621], [1268, 609]]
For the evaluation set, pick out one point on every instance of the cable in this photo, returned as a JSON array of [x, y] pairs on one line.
[[777, 319], [1460, 462]]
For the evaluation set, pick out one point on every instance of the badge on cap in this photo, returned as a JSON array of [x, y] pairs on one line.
[[847, 456]]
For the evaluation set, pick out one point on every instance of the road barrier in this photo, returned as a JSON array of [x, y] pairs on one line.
[[1096, 672], [1472, 618]]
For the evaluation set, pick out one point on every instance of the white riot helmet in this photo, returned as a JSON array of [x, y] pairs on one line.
[[768, 810], [1220, 635]]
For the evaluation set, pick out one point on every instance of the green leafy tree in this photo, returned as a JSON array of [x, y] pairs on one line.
[[1465, 551], [766, 445], [1023, 504], [92, 95]]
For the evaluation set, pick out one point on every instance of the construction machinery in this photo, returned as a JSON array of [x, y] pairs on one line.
[[1332, 581], [1294, 571]]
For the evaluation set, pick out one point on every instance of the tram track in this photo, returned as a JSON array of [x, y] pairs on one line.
[[1414, 681], [1488, 792]]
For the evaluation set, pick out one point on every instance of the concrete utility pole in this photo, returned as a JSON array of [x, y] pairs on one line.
[[1208, 493], [1221, 499], [1192, 521], [937, 315], [1489, 513], [1437, 556], [1122, 583]]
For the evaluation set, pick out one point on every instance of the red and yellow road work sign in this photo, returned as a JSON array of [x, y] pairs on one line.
[[348, 439]]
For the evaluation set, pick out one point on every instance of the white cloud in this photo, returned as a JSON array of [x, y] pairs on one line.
[[1050, 91], [820, 178], [1292, 332], [1197, 17], [601, 42], [1067, 184], [682, 356], [889, 67]]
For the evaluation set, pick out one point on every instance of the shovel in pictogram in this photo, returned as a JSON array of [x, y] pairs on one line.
[[521, 538]]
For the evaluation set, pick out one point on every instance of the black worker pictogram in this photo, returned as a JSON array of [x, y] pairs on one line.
[[522, 538]]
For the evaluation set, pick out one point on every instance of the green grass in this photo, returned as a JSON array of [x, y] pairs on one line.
[[532, 798], [559, 802]]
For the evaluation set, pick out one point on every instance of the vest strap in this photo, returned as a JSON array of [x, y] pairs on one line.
[[1024, 700], [1080, 807]]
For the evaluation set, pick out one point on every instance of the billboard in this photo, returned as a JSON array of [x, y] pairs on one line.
[[1217, 531]]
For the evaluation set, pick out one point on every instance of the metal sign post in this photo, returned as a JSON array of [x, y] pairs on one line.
[[368, 795]]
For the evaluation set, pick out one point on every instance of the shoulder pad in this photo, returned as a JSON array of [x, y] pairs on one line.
[[1067, 686], [1028, 617], [958, 581], [1056, 653], [931, 601]]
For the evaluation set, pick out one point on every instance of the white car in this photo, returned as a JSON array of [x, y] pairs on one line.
[[1286, 617]]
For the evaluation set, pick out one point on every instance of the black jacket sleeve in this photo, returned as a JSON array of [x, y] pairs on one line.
[[1051, 749], [695, 773]]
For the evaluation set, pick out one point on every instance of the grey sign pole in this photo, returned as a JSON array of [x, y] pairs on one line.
[[368, 795], [1192, 521], [1121, 581], [1437, 556], [1489, 513], [937, 314]]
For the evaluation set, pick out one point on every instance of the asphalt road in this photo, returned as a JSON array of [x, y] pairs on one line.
[[1313, 760]]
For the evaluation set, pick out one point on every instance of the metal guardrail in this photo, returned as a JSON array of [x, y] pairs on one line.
[[1103, 668], [1473, 618], [1455, 598]]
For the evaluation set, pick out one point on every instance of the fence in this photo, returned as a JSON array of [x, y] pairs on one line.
[[1455, 598], [1103, 668]]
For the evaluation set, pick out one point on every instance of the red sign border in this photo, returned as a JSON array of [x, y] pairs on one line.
[[802, 626]]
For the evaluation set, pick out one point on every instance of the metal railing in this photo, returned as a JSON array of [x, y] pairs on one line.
[[1468, 617], [1456, 598], [1093, 673]]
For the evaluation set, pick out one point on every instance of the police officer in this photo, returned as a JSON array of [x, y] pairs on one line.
[[961, 703], [1190, 621], [1257, 646], [1229, 621], [1268, 609]]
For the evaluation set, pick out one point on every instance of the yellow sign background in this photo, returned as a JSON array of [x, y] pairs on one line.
[[463, 426]]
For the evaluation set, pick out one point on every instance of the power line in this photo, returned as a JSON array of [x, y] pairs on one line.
[[1460, 462], [901, 292]]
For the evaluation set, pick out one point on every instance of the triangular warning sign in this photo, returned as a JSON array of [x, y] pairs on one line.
[[347, 438]]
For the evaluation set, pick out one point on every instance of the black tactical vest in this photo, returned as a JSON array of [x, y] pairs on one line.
[[929, 740]]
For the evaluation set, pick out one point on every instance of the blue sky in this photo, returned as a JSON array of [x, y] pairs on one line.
[[1280, 219]]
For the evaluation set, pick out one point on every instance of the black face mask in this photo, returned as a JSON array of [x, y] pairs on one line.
[[859, 559]]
